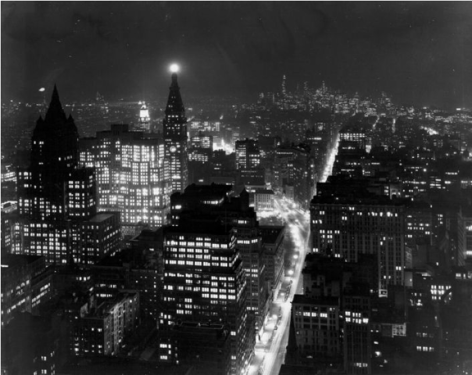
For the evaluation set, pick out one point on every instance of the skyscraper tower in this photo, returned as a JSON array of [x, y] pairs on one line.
[[175, 136], [57, 200], [132, 175], [144, 123]]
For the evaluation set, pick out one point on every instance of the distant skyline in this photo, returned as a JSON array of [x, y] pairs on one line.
[[418, 52]]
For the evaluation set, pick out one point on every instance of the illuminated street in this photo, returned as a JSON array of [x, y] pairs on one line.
[[270, 349], [329, 165]]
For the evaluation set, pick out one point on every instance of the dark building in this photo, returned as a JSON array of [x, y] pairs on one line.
[[357, 303], [57, 198], [274, 251], [205, 347], [346, 225], [26, 284], [30, 346], [175, 137], [294, 170]]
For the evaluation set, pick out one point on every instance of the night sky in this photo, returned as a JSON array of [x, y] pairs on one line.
[[419, 52]]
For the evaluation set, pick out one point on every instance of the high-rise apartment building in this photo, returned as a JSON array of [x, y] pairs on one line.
[[132, 174], [175, 137], [102, 327], [56, 197]]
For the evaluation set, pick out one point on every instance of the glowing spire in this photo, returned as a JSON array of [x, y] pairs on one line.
[[175, 106]]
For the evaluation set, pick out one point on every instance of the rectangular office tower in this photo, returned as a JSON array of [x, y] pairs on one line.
[[204, 285], [131, 173], [204, 201], [57, 199], [248, 155], [346, 226]]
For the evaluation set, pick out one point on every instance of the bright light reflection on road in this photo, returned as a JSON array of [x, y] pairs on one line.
[[329, 165]]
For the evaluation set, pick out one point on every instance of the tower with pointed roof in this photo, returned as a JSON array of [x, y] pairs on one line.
[[175, 137], [57, 198]]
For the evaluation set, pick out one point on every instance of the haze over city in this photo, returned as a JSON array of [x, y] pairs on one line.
[[420, 52]]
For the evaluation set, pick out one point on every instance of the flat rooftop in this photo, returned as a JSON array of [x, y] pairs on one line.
[[102, 216]]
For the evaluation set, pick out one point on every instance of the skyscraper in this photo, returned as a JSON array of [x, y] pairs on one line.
[[348, 225], [132, 175], [175, 137], [57, 199], [248, 155], [204, 283], [144, 122]]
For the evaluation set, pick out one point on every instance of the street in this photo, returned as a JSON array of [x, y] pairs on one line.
[[272, 340], [273, 337]]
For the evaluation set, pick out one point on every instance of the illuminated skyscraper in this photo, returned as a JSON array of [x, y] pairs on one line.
[[144, 122], [57, 200], [175, 137], [132, 176], [248, 155], [204, 284]]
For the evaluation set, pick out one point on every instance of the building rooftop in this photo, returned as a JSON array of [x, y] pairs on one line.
[[270, 233], [264, 191], [101, 217], [13, 260], [104, 308], [366, 200], [322, 301], [203, 225], [123, 366]]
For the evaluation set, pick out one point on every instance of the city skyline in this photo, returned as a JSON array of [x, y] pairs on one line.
[[294, 206], [418, 52]]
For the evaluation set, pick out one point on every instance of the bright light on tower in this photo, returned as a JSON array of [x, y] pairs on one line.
[[42, 89], [174, 68]]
